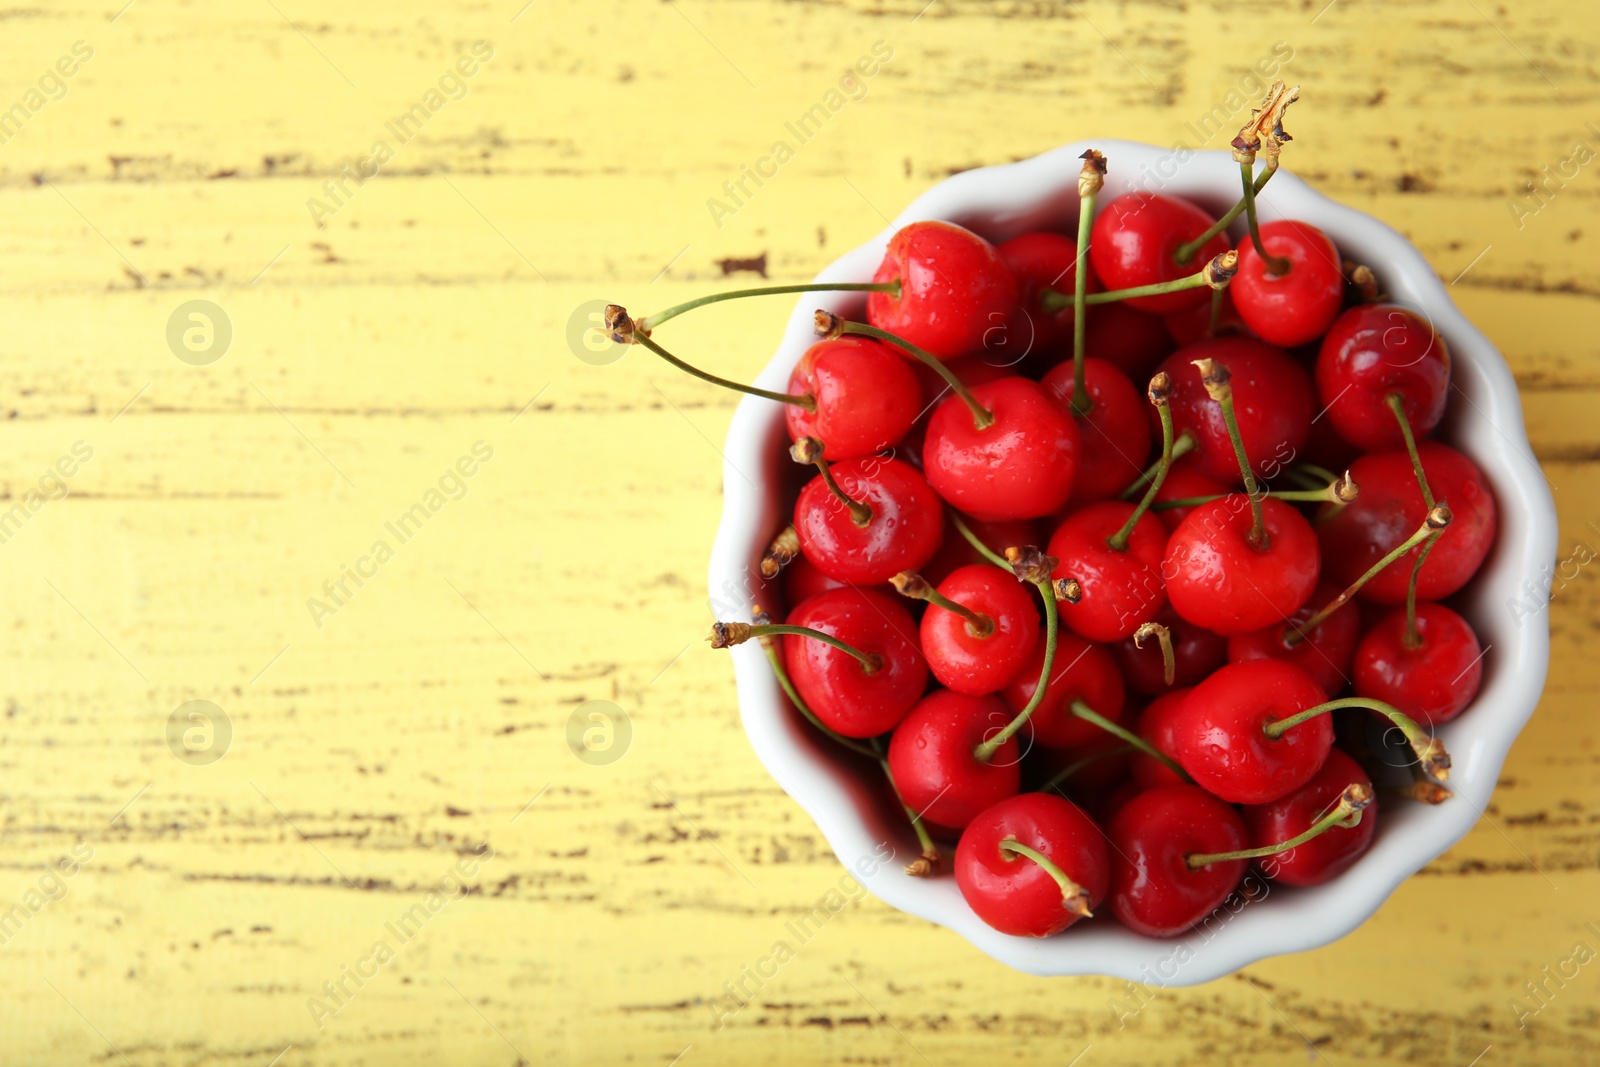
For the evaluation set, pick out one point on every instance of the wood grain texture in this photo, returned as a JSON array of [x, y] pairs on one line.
[[415, 726]]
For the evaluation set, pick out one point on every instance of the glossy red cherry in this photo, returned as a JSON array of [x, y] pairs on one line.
[[1221, 731], [1136, 341], [865, 392], [1433, 682], [955, 290], [1196, 652], [1039, 261], [1135, 240], [1215, 578], [904, 531], [1081, 671], [1121, 589], [978, 658], [957, 551], [1327, 855], [1293, 308], [1020, 467], [1156, 725], [1390, 509], [1114, 437], [1372, 351], [1325, 653], [802, 581], [834, 684], [1194, 324], [931, 758], [1183, 482], [1010, 891], [1154, 891], [1272, 399]]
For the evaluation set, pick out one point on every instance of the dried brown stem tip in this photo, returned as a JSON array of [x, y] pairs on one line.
[[1078, 904], [1068, 589], [1092, 177], [1215, 377], [1344, 489], [1169, 662], [1265, 131], [619, 324], [806, 450], [827, 324], [927, 865], [1425, 791], [1435, 760], [728, 634], [1160, 389], [1439, 518], [911, 584], [1365, 282], [1356, 797], [1030, 564], [1220, 271], [784, 548]]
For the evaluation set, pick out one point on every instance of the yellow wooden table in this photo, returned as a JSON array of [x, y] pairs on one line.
[[383, 519]]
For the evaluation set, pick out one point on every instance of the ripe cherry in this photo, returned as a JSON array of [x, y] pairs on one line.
[[864, 393], [979, 628], [802, 580], [1154, 890], [956, 294], [1187, 327], [1041, 260], [1113, 437], [1184, 482], [1020, 466], [1293, 308], [834, 684], [1373, 352], [1391, 507], [1156, 725], [899, 530], [1136, 341], [1196, 653], [1122, 588], [1325, 653], [1216, 578], [1032, 865], [932, 762], [1273, 404], [1432, 676], [1135, 242], [1223, 733], [1327, 855], [1081, 671]]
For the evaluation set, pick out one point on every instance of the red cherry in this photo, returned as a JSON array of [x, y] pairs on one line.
[[1184, 481], [1325, 653], [955, 290], [1221, 731], [1196, 652], [957, 551], [1194, 324], [1272, 399], [865, 392], [802, 580], [1327, 449], [1374, 350], [975, 658], [1154, 891], [931, 758], [833, 684], [1135, 240], [1101, 766], [1042, 260], [1133, 340], [903, 534], [1020, 467], [1215, 578], [1121, 590], [1433, 682], [1011, 892], [1327, 855], [1293, 308], [1156, 725], [1390, 509], [1081, 671], [1114, 437]]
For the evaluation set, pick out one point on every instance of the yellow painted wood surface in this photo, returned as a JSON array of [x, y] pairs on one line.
[[421, 719]]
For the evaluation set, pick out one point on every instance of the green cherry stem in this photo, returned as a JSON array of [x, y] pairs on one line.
[[1434, 760], [1215, 274], [808, 450], [1160, 395], [829, 325], [728, 634], [1397, 405], [1276, 266], [1346, 813], [972, 539], [769, 646], [1073, 896], [1186, 252], [1091, 179], [1436, 522], [1341, 491], [913, 585], [650, 322], [1169, 662], [1217, 382], [1031, 565], [1412, 638], [638, 337], [1184, 444], [1088, 714], [930, 861]]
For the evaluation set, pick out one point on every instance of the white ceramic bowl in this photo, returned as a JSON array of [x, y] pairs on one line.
[[842, 793]]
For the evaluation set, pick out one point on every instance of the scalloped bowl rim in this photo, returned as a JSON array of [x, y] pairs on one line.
[[1001, 201]]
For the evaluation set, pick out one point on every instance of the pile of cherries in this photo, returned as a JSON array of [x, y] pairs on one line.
[[1118, 646]]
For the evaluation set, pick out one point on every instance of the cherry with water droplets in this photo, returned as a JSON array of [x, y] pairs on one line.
[[1373, 352], [1433, 681], [1135, 241], [848, 698], [955, 290], [1154, 891], [1014, 893], [1327, 855], [977, 649], [1298, 306], [1222, 739], [932, 761], [1020, 466]]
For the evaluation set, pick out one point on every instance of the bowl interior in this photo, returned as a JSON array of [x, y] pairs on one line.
[[844, 794]]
